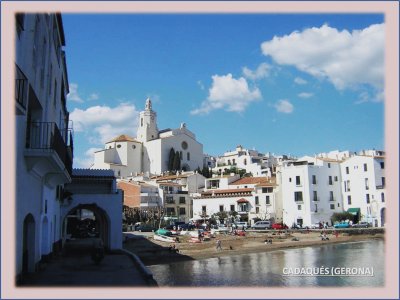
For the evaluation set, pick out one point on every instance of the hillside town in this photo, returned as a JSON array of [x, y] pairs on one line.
[[158, 177]]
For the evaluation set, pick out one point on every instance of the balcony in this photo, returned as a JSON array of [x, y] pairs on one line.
[[47, 154]]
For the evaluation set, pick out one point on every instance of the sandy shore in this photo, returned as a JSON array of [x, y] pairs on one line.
[[153, 252]]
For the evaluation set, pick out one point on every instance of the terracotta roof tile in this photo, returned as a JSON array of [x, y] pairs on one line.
[[253, 180], [123, 138]]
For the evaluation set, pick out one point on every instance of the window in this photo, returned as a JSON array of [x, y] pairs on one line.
[[347, 170], [332, 206], [221, 208], [338, 205], [367, 198], [233, 162], [382, 165], [314, 179], [55, 92], [315, 196], [45, 206], [118, 146], [298, 207], [316, 208], [170, 200], [257, 210], [245, 162], [290, 179], [331, 198], [366, 184], [170, 211], [365, 168], [232, 207], [133, 147], [204, 209], [383, 181], [188, 156], [382, 197], [347, 186], [182, 211], [330, 180], [329, 165], [298, 196], [267, 190], [19, 20], [336, 178], [184, 145], [141, 122], [267, 200], [182, 200], [349, 200], [297, 180], [256, 199], [229, 162]]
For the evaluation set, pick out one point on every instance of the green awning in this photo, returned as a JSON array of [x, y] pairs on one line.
[[354, 210]]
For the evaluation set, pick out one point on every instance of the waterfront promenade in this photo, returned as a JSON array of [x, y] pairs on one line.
[[75, 268]]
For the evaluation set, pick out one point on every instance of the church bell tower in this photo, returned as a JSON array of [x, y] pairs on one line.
[[147, 129]]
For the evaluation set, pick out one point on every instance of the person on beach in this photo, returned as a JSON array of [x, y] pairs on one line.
[[219, 246]]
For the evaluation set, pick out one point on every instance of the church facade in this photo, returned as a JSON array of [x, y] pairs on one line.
[[150, 150]]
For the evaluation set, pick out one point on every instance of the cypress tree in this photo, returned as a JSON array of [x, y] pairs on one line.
[[171, 159], [177, 161]]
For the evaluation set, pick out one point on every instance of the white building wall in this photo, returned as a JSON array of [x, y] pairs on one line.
[[370, 212], [213, 204]]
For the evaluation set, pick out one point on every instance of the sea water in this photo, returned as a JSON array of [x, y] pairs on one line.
[[355, 264]]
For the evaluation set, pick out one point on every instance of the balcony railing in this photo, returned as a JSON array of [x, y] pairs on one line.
[[46, 136]]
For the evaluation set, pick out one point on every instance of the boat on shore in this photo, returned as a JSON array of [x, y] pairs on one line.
[[164, 235]]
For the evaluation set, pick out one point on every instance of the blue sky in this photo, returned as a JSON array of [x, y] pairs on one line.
[[294, 84]]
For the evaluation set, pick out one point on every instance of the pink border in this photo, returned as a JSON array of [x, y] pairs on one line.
[[390, 9]]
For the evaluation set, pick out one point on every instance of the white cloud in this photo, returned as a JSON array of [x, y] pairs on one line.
[[87, 160], [347, 59], [228, 93], [102, 123], [284, 106], [305, 95], [73, 93], [299, 80], [261, 72], [93, 96]]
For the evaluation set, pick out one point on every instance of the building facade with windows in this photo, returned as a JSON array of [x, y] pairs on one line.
[[44, 148], [364, 186], [310, 190]]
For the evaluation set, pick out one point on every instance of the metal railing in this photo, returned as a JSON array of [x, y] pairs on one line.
[[47, 136]]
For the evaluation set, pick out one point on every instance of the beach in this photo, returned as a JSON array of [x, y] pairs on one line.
[[153, 252]]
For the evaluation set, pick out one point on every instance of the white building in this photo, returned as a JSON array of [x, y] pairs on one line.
[[150, 151], [310, 190], [243, 159], [363, 186], [43, 139]]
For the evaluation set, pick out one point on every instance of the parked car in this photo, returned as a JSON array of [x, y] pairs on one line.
[[279, 226], [145, 228], [240, 225], [362, 224], [317, 226], [342, 225], [262, 225]]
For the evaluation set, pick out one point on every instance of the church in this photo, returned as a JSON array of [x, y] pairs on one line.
[[150, 151]]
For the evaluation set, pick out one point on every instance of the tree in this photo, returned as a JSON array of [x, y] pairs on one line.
[[171, 159], [177, 161], [342, 216]]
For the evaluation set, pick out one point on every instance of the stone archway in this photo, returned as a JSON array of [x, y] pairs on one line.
[[28, 245], [383, 220], [96, 224]]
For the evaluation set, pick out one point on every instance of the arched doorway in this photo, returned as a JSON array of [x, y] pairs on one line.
[[383, 221], [28, 245], [87, 221]]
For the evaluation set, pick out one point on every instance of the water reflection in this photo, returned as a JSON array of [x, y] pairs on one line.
[[266, 269]]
